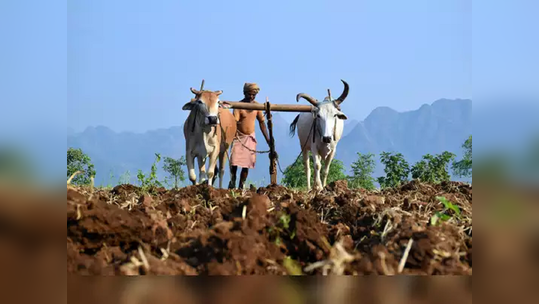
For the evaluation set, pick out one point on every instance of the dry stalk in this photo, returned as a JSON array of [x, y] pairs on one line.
[[79, 213], [165, 254], [145, 263], [244, 212], [338, 258], [405, 255], [73, 175], [385, 270], [387, 228]]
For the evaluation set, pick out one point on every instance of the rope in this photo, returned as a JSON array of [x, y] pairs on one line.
[[254, 151], [268, 151], [307, 139]]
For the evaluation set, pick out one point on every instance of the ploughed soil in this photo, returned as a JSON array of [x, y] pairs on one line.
[[270, 230]]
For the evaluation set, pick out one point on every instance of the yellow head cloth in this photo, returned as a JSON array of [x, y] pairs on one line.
[[249, 87]]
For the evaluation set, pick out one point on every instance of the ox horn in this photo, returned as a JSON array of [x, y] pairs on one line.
[[344, 93], [308, 98], [196, 92]]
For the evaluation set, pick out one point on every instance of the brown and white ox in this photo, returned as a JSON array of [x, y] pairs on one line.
[[209, 130]]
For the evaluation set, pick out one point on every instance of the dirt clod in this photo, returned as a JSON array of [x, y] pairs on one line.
[[203, 230]]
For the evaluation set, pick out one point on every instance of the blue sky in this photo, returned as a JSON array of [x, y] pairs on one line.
[[131, 63], [505, 48]]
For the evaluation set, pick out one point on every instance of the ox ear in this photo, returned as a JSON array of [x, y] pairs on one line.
[[224, 105], [219, 92], [341, 116], [188, 106]]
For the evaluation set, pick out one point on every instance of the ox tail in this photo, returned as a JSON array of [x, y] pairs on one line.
[[293, 126]]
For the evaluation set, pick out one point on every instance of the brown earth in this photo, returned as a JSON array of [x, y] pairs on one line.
[[272, 230]]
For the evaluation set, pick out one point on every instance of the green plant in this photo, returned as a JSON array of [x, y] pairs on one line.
[[396, 168], [111, 177], [362, 170], [463, 167], [281, 228], [248, 184], [433, 169], [78, 161], [146, 183], [125, 178], [443, 215], [174, 168], [294, 175], [292, 266]]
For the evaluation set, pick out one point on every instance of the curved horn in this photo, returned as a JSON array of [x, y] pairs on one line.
[[344, 93], [313, 101], [196, 92]]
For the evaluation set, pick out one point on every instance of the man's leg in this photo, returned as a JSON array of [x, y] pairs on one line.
[[233, 172], [243, 176]]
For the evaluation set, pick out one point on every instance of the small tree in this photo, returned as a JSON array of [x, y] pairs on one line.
[[294, 175], [174, 168], [433, 169], [463, 167], [362, 170], [151, 181], [78, 161], [396, 168]]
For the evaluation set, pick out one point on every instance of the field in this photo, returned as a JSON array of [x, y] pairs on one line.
[[415, 229]]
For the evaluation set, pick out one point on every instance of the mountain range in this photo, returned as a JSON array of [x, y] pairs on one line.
[[441, 126]]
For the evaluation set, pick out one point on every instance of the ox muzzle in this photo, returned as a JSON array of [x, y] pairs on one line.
[[326, 139], [212, 120]]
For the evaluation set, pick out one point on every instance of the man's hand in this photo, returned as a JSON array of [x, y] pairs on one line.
[[273, 155]]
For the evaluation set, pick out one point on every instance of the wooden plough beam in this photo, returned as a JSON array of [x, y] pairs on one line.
[[274, 107]]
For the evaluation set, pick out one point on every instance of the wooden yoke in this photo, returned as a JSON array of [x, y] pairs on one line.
[[273, 160], [275, 107]]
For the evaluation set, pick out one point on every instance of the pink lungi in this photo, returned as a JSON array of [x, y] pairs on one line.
[[241, 156]]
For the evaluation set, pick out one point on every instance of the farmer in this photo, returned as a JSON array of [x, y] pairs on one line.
[[243, 150]]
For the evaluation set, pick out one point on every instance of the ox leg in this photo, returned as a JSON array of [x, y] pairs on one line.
[[325, 170], [215, 175], [202, 169], [222, 161], [190, 160], [317, 164], [307, 168], [211, 166]]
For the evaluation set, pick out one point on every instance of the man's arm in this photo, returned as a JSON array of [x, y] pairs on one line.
[[262, 123]]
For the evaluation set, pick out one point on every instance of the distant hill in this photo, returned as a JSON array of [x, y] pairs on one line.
[[442, 126]]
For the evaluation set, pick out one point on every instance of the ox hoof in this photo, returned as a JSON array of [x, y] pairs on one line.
[[318, 189]]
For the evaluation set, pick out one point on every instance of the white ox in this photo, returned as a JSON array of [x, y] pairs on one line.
[[319, 132]]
